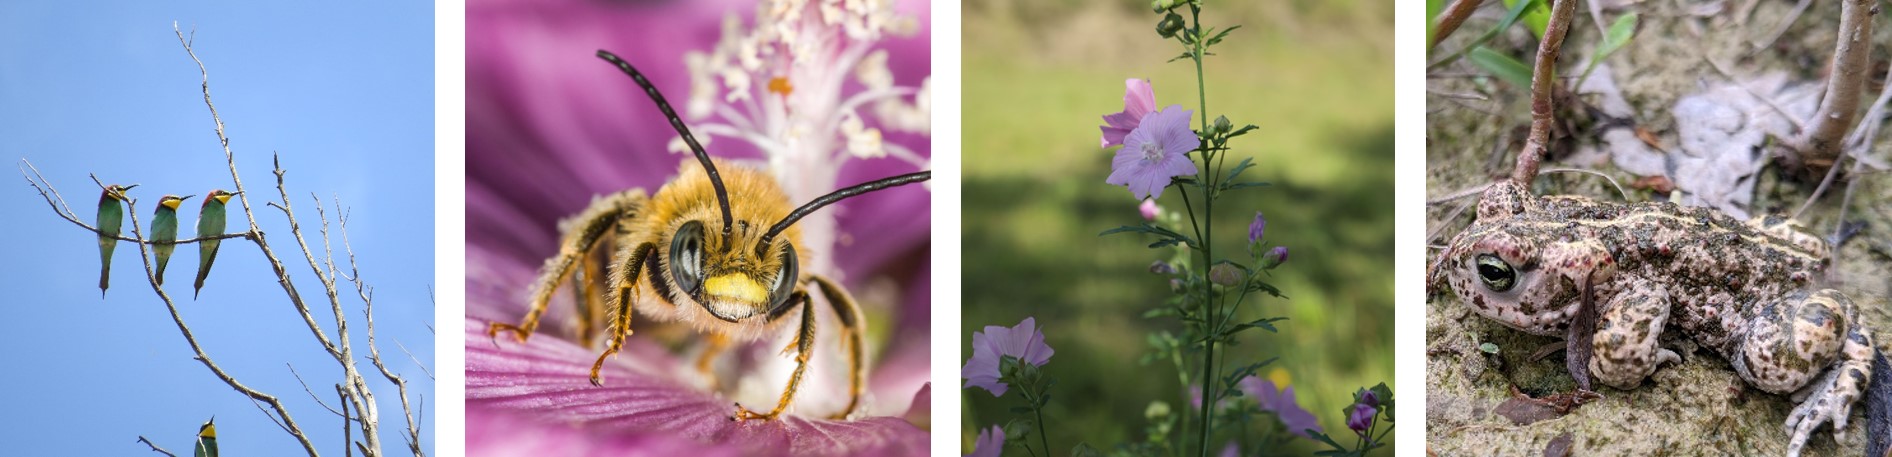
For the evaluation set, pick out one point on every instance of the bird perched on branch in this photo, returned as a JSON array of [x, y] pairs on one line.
[[209, 223], [164, 230], [206, 439], [111, 218]]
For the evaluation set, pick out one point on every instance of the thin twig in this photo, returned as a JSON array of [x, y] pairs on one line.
[[154, 446], [366, 293], [1792, 16], [1619, 187], [318, 400], [1543, 77], [347, 435], [1468, 192], [1453, 16], [1769, 101], [65, 212], [1851, 57]]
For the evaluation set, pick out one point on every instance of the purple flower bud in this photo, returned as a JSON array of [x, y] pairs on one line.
[[1162, 268], [1361, 418], [1226, 274], [1274, 258], [1150, 210], [1370, 399], [1256, 228]]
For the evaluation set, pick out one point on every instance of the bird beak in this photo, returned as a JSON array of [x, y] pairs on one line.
[[127, 188], [186, 197], [237, 193]]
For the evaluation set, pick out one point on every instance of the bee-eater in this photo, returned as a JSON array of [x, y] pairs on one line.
[[209, 223], [111, 219], [206, 439], [164, 230]]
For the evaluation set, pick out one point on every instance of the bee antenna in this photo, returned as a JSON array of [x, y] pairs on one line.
[[836, 196], [716, 179]]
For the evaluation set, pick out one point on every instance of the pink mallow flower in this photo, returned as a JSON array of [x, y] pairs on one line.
[[1361, 418], [1149, 210], [1138, 101], [990, 442], [1154, 153], [1023, 341], [1282, 403]]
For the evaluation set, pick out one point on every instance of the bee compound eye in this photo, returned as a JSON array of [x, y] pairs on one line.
[[1495, 273], [686, 257], [785, 281]]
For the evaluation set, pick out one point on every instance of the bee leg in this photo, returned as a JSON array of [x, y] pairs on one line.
[[619, 325], [717, 343], [587, 297], [804, 345], [585, 231], [849, 313]]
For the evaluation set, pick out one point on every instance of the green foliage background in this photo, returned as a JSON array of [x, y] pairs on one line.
[[1316, 76]]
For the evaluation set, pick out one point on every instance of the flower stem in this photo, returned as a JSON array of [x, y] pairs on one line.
[[1208, 214]]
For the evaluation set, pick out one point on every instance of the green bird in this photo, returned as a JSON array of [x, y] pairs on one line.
[[164, 230], [111, 219], [209, 223], [206, 439]]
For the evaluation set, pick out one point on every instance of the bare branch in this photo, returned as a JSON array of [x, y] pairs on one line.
[[318, 400], [154, 446], [346, 421], [1543, 77], [65, 212], [366, 293], [1819, 145], [1453, 16], [144, 256]]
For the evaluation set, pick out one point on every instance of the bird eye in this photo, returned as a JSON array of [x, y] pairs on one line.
[[686, 257], [785, 282], [1495, 273]]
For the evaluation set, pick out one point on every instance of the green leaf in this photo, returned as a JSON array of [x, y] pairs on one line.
[[1218, 37], [1243, 130], [1619, 34], [1433, 8], [1266, 323], [1502, 66], [1510, 17], [1537, 16], [1245, 185]]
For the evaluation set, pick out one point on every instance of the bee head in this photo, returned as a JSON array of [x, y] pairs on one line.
[[727, 264]]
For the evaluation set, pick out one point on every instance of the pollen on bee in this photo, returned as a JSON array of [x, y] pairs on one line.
[[780, 85]]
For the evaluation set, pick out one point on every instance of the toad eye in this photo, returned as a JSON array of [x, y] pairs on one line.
[[686, 257], [1495, 273]]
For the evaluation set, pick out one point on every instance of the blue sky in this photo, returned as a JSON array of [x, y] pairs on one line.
[[343, 93]]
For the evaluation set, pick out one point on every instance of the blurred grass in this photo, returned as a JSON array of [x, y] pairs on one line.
[[1315, 76]]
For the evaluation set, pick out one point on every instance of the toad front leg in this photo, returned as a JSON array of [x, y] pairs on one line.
[[1627, 346], [1810, 344]]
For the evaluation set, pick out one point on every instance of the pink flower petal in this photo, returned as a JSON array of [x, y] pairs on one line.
[[543, 384]]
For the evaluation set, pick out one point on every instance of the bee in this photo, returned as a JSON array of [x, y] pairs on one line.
[[715, 251]]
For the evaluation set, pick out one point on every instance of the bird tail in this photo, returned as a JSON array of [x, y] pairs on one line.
[[1879, 408]]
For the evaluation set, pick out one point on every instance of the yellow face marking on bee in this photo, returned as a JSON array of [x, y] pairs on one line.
[[223, 198], [736, 287], [172, 202]]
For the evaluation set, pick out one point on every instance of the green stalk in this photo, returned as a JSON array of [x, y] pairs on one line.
[[1208, 213]]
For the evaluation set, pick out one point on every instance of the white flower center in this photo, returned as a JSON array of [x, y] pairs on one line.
[[1152, 152]]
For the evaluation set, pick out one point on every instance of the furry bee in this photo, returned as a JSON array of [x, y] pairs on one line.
[[719, 255]]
